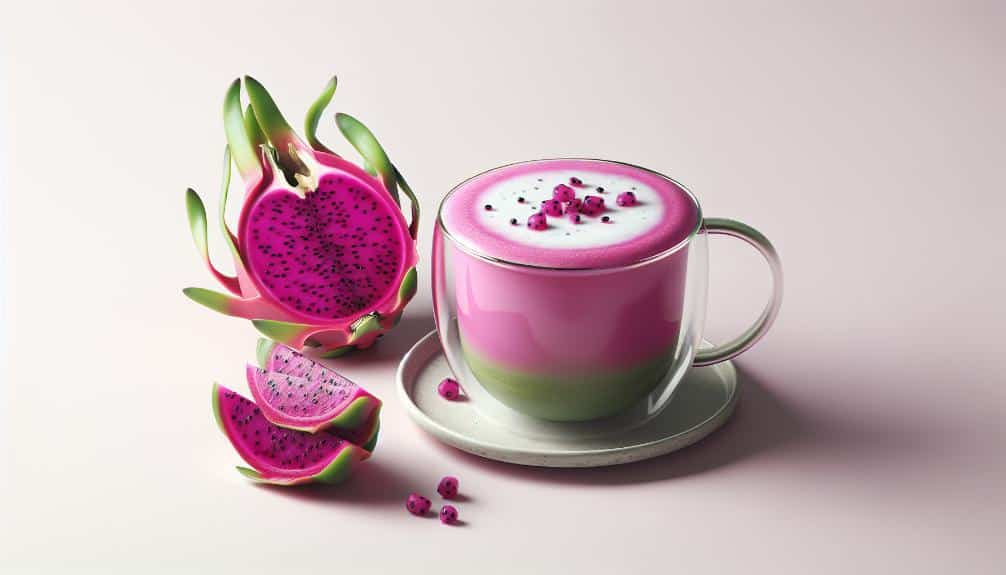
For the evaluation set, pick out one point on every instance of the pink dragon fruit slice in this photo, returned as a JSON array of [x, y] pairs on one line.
[[315, 406], [297, 393], [362, 422], [323, 255], [281, 456]]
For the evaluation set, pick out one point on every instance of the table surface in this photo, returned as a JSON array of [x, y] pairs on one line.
[[865, 139]]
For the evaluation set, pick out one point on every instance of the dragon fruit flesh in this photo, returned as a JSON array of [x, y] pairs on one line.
[[417, 504], [449, 389], [324, 256], [448, 514], [281, 456], [296, 392], [448, 487]]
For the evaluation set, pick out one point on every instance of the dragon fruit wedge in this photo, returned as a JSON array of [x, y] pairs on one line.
[[282, 456], [323, 254], [295, 392]]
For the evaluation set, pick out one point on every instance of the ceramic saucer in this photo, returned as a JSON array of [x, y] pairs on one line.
[[702, 402]]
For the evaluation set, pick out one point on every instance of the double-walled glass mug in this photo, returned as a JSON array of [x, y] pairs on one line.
[[556, 337]]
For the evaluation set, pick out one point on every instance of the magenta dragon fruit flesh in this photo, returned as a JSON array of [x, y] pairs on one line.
[[448, 514], [449, 389], [538, 221], [448, 487], [296, 392], [626, 199], [282, 456], [563, 193], [552, 208], [323, 254], [592, 206], [417, 504]]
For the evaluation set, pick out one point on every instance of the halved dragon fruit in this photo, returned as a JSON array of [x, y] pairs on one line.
[[281, 456], [296, 392], [323, 254]]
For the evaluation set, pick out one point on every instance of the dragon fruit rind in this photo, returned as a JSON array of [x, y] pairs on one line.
[[323, 255], [282, 456]]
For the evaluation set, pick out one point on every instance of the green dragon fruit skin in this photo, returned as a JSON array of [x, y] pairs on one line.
[[345, 292], [281, 456]]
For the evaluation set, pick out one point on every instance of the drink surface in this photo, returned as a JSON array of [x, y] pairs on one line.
[[489, 214]]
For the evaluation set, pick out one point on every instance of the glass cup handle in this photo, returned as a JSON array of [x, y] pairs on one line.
[[740, 344]]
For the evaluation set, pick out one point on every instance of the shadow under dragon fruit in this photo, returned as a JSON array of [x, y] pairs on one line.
[[323, 254]]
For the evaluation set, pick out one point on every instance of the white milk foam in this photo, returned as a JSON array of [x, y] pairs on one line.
[[626, 222]]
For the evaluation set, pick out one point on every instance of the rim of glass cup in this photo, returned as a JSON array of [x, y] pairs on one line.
[[470, 250]]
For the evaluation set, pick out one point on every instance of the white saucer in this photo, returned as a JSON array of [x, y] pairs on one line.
[[702, 402]]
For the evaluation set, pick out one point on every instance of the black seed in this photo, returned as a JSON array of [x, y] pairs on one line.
[[513, 221], [605, 219], [488, 207]]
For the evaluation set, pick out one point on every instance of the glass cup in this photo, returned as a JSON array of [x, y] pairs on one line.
[[554, 348]]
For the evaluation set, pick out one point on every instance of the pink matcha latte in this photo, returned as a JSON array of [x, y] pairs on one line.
[[568, 278]]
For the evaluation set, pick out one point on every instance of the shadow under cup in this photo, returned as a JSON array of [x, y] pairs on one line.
[[571, 345]]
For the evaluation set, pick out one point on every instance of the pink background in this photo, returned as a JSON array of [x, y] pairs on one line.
[[865, 138]]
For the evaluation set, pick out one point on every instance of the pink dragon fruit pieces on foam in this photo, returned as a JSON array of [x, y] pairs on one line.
[[626, 199], [537, 222], [417, 504], [552, 208], [277, 455], [563, 193], [323, 253], [448, 515], [574, 205], [592, 205]]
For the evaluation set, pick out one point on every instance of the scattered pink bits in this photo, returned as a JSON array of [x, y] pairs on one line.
[[626, 199], [563, 193], [592, 205], [574, 217], [448, 487], [574, 205], [449, 389], [417, 505], [552, 208], [574, 181], [537, 222], [448, 514]]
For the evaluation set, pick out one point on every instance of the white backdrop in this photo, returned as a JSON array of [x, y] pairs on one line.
[[864, 138]]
